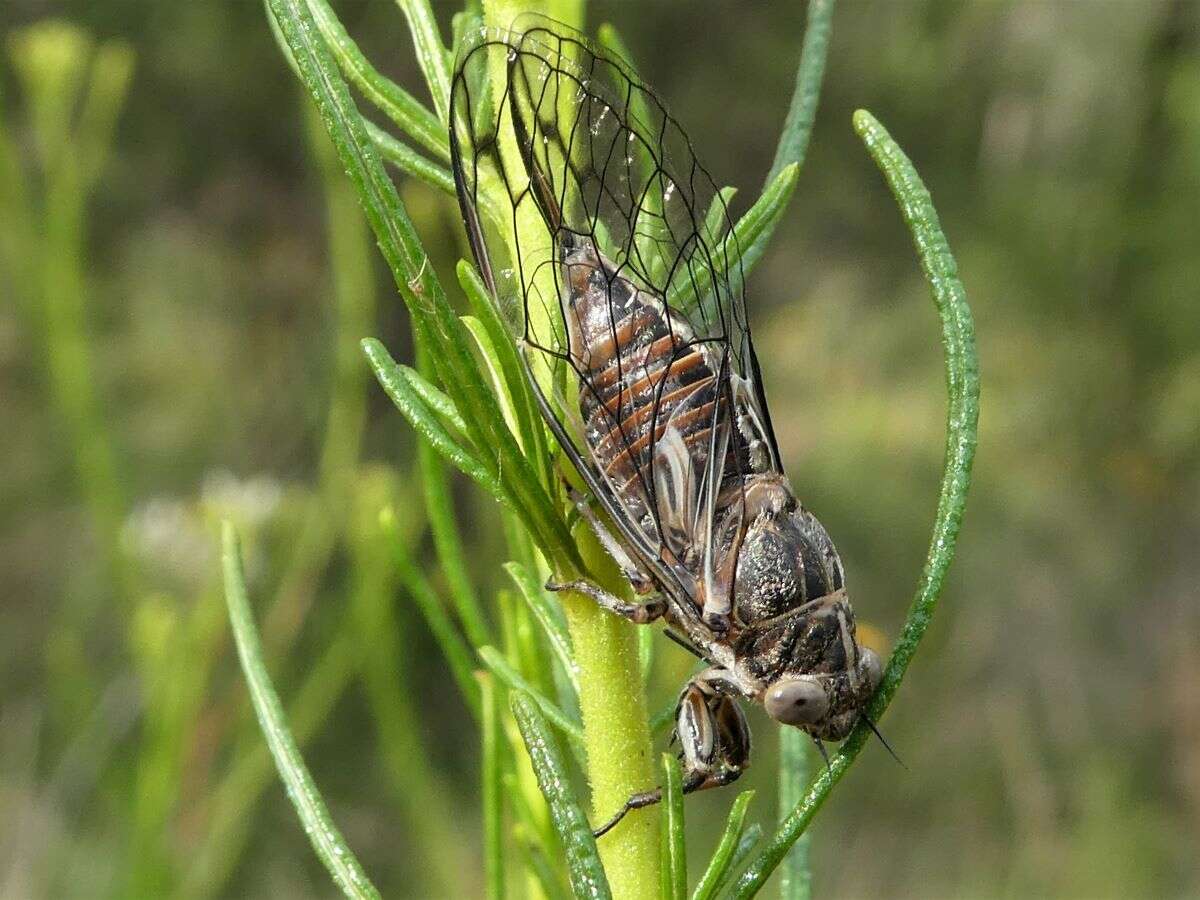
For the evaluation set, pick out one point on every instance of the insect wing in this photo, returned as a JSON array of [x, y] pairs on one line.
[[610, 249]]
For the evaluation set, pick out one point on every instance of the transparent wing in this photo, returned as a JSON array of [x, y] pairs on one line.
[[611, 250]]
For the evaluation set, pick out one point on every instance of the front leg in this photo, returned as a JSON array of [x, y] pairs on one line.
[[714, 741], [638, 613]]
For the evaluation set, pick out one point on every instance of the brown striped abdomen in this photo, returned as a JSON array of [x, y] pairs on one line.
[[639, 370]]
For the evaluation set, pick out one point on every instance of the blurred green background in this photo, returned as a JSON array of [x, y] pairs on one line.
[[184, 277]]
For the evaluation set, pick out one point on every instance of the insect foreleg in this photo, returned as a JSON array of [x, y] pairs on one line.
[[714, 743], [638, 613], [641, 582]]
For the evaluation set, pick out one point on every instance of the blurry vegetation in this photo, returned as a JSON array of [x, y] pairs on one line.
[[184, 276]]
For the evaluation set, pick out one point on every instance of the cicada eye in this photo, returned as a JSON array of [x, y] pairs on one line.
[[801, 701]]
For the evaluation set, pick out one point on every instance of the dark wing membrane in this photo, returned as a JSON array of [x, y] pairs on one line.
[[611, 250]]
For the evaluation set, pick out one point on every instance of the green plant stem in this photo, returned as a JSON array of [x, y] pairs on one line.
[[962, 383], [616, 730]]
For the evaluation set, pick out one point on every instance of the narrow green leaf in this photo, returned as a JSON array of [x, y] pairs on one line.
[[720, 865], [409, 161], [423, 419], [457, 653], [529, 417], [326, 839], [491, 769], [611, 40], [409, 114], [674, 863], [432, 397], [749, 240], [718, 215], [802, 112], [795, 877], [583, 859], [514, 680], [431, 53], [548, 617], [962, 383], [535, 860], [434, 321], [750, 838], [447, 539], [487, 350]]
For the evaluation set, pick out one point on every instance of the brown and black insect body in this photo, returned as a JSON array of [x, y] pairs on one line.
[[618, 262]]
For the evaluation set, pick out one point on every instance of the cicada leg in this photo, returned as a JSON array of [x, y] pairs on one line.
[[638, 613], [714, 743], [641, 582]]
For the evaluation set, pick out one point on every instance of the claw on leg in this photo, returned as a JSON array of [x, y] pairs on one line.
[[638, 613]]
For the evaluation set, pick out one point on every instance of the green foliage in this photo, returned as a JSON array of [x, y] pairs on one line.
[[185, 288], [322, 832]]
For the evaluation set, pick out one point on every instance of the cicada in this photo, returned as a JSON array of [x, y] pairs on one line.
[[611, 251]]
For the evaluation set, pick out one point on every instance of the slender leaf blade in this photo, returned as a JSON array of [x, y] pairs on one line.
[[583, 859], [491, 771], [408, 113], [674, 863], [962, 420], [454, 649], [802, 111], [721, 862], [409, 161], [515, 681], [326, 839], [795, 877], [398, 387], [548, 617], [431, 53], [750, 237]]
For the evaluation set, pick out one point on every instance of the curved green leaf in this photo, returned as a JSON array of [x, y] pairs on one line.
[[802, 112], [431, 53], [674, 863], [423, 420], [455, 650], [409, 114], [962, 383], [750, 237], [583, 859], [720, 865], [548, 617], [409, 161], [500, 666], [331, 847]]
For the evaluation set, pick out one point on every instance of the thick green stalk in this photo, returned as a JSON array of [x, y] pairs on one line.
[[616, 731]]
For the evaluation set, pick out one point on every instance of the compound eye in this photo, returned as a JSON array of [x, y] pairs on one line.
[[801, 701]]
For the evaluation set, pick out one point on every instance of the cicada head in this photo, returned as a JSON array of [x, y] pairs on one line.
[[827, 704]]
